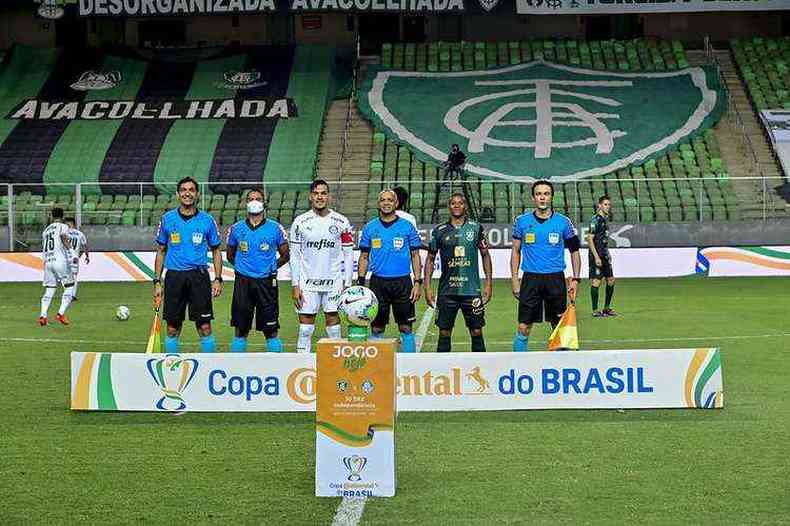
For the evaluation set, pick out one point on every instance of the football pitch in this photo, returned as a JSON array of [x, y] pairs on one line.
[[726, 466]]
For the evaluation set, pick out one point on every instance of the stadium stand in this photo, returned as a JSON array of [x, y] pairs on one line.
[[56, 154], [670, 188], [765, 68]]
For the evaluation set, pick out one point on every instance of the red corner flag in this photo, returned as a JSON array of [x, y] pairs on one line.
[[565, 335]]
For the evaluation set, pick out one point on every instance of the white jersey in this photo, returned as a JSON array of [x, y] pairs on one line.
[[321, 251], [407, 216], [78, 241], [52, 247]]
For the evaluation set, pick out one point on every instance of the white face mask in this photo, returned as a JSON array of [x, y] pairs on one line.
[[255, 207]]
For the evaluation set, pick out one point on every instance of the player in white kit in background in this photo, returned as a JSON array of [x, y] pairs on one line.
[[79, 244], [58, 258], [322, 264]]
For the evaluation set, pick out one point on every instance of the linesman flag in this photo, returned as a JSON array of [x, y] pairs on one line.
[[565, 335], [155, 337]]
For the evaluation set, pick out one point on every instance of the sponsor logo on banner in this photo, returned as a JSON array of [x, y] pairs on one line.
[[97, 80], [488, 5], [545, 7], [354, 464], [241, 80], [173, 375], [51, 9], [301, 385]]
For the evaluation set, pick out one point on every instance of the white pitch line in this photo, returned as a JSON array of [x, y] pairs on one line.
[[422, 330], [349, 512]]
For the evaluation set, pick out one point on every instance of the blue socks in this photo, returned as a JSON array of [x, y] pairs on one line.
[[238, 344], [207, 343], [171, 344], [407, 343], [520, 342], [274, 345]]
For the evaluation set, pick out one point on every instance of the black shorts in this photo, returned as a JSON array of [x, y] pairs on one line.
[[184, 287], [255, 297], [447, 307], [395, 293], [604, 271], [542, 293]]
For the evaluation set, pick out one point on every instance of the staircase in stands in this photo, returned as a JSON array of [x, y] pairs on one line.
[[756, 198]]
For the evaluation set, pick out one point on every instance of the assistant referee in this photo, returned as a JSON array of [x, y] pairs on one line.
[[184, 236], [540, 238]]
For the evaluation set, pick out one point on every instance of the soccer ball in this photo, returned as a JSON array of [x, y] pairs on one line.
[[359, 305], [122, 313]]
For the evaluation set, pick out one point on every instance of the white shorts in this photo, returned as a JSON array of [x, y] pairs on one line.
[[326, 301], [58, 271]]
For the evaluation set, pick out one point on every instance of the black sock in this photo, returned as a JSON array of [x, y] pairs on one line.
[[609, 294], [594, 296], [444, 344], [478, 345]]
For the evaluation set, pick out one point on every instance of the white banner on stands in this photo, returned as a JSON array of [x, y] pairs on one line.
[[628, 379], [620, 7]]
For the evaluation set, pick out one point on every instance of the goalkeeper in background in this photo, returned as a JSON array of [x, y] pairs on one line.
[[458, 243]]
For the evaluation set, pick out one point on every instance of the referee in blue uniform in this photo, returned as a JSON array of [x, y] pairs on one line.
[[257, 247], [390, 249], [540, 238], [184, 237]]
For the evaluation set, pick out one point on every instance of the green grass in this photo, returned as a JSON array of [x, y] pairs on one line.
[[646, 466]]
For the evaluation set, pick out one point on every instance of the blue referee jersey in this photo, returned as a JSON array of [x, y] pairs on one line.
[[256, 247], [187, 238], [543, 242], [390, 246]]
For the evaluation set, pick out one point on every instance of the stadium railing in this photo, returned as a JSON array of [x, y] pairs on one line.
[[23, 212]]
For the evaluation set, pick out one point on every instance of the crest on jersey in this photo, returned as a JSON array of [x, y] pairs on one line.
[[241, 80], [334, 230], [554, 238], [541, 120], [397, 242], [197, 237], [97, 80]]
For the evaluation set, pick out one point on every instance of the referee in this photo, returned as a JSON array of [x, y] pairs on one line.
[[390, 246], [253, 248], [540, 238], [184, 236]]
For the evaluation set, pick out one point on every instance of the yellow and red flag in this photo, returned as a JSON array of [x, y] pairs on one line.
[[155, 337], [565, 335]]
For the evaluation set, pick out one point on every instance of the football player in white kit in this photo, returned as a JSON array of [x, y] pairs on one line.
[[322, 259], [79, 244], [58, 258]]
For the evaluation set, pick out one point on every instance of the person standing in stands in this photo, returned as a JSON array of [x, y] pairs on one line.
[[403, 201], [257, 247], [540, 238], [184, 236], [390, 249], [599, 258], [454, 164]]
